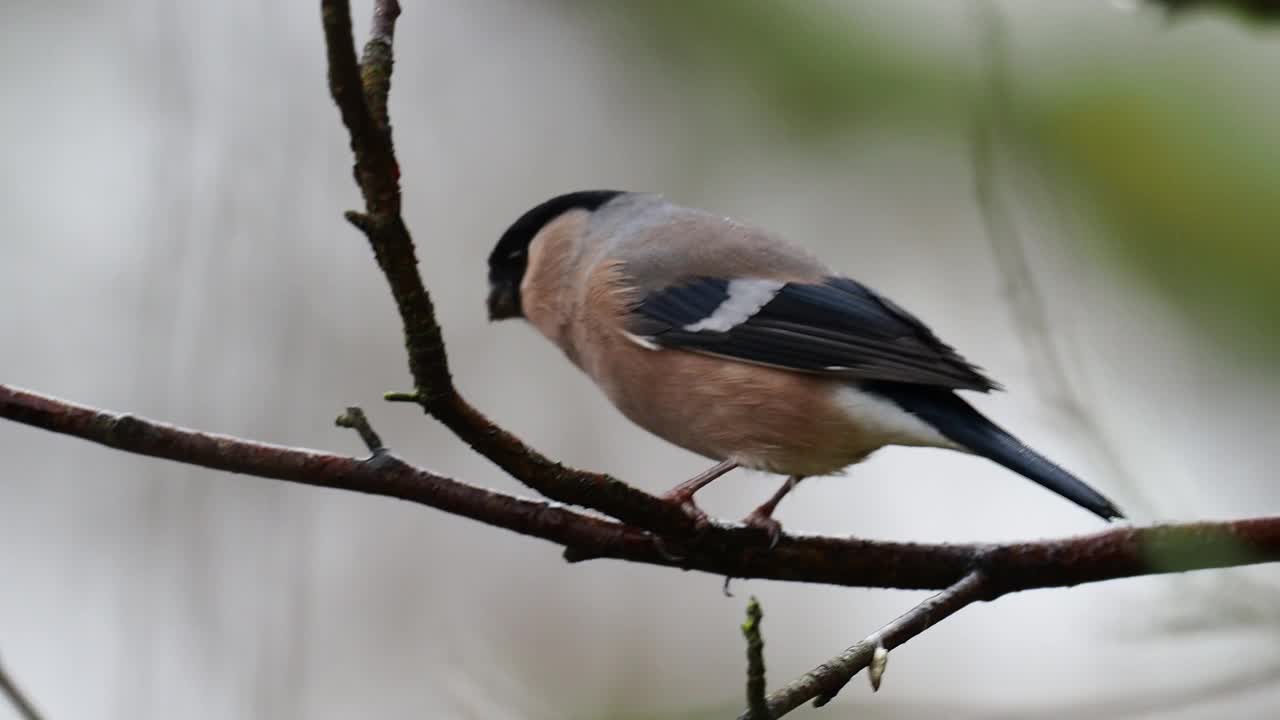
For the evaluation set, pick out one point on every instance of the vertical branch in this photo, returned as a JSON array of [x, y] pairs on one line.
[[376, 63], [757, 707], [363, 104], [360, 90]]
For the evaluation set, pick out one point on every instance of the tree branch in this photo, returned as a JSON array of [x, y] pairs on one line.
[[10, 690], [757, 705], [355, 419], [823, 682], [723, 550], [1008, 247], [377, 173], [1268, 10]]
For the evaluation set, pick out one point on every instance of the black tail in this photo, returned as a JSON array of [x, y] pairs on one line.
[[959, 422]]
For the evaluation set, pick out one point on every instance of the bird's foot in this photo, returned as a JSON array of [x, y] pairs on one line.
[[684, 500], [682, 496], [762, 517], [678, 550], [765, 522]]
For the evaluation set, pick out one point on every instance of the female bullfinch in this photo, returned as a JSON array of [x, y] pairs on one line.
[[742, 347]]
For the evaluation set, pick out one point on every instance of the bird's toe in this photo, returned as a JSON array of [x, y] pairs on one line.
[[765, 522]]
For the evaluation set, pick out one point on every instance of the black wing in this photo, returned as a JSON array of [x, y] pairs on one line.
[[837, 327]]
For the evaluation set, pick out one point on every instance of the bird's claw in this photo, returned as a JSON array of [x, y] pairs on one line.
[[686, 504], [678, 551], [767, 524]]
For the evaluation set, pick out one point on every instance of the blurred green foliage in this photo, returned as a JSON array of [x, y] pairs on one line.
[[1172, 145], [1187, 185], [810, 70]]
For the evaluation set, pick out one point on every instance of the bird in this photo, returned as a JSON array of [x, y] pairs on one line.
[[734, 343]]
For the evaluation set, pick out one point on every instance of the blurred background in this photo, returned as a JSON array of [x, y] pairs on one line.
[[1082, 197]]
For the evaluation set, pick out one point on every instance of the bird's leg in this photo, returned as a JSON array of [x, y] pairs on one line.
[[683, 493], [762, 517]]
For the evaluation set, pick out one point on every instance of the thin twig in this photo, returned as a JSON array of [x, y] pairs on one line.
[[25, 709], [375, 64], [385, 14], [376, 173], [355, 419], [757, 707], [826, 680]]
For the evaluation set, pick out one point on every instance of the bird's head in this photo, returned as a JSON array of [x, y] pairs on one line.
[[510, 257]]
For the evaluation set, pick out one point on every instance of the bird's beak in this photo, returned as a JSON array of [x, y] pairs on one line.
[[503, 303]]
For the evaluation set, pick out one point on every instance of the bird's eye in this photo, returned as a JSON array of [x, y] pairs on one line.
[[516, 255]]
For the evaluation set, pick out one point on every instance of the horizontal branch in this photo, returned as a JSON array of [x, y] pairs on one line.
[[731, 551], [380, 474]]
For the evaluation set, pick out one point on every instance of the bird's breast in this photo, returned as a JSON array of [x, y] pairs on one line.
[[764, 418]]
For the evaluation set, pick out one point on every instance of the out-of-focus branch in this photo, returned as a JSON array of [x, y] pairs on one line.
[[822, 683], [1008, 248], [1261, 9], [10, 690], [364, 112], [757, 704]]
